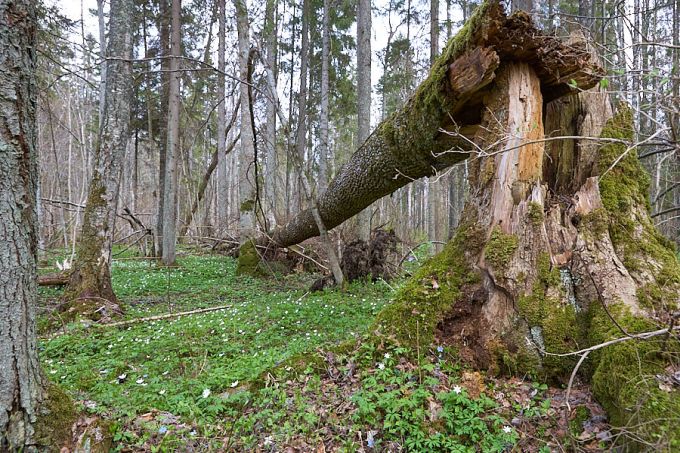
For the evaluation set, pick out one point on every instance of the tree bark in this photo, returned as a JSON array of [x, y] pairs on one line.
[[246, 180], [164, 43], [222, 183], [169, 240], [272, 190], [409, 144], [556, 252], [20, 380], [364, 92], [91, 276], [323, 113]]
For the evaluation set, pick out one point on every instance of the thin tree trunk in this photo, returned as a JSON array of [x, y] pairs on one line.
[[271, 162], [164, 38], [363, 95], [216, 157], [323, 114], [173, 141], [222, 220]]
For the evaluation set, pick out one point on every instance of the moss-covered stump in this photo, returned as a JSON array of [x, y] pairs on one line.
[[534, 273], [249, 262]]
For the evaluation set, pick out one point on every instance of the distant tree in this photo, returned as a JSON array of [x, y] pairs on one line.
[[363, 94]]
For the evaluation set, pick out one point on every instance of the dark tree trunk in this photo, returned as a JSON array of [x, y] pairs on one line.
[[20, 380]]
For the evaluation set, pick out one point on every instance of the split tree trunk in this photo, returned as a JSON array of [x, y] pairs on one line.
[[556, 252], [90, 281]]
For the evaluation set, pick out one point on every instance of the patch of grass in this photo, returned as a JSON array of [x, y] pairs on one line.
[[193, 366]]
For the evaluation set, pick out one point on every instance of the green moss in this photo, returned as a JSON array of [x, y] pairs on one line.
[[88, 265], [249, 260], [426, 298], [625, 380], [499, 249], [580, 416], [552, 321], [624, 190], [247, 205], [595, 222], [535, 213], [411, 133], [56, 416]]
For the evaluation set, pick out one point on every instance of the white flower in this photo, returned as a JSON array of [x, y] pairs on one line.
[[457, 390], [234, 384], [206, 393], [140, 380], [65, 266], [387, 355], [507, 429], [161, 392], [381, 366]]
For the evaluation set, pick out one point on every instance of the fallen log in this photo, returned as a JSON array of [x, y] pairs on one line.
[[55, 279], [412, 143]]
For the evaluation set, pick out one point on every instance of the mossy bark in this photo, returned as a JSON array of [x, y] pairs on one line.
[[91, 276], [410, 143]]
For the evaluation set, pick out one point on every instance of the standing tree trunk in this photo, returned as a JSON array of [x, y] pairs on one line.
[[323, 113], [363, 96], [248, 258], [90, 281], [164, 43], [272, 192], [172, 149], [222, 183], [20, 379]]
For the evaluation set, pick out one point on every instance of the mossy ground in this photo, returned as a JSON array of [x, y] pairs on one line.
[[429, 294]]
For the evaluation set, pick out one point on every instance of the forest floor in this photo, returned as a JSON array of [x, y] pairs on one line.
[[279, 369]]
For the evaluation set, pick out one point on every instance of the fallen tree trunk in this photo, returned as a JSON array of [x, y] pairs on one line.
[[412, 144], [53, 279]]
